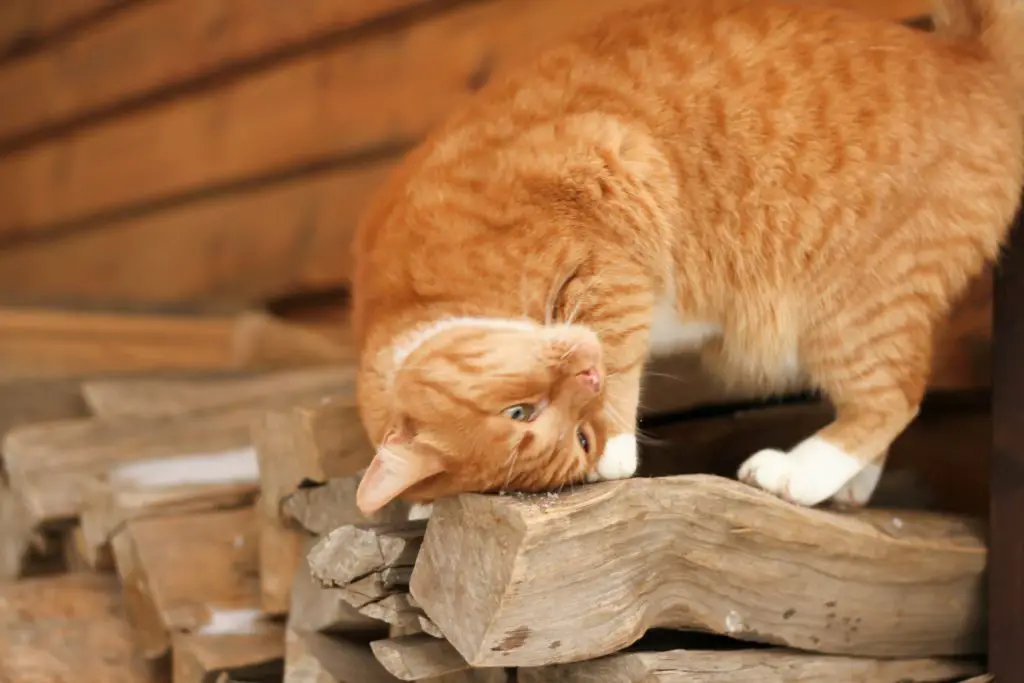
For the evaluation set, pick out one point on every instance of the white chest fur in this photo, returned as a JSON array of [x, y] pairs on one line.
[[671, 334]]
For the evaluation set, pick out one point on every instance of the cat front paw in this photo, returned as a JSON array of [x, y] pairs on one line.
[[811, 473], [619, 460]]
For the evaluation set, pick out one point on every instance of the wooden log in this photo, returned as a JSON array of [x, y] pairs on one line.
[[416, 657], [249, 246], [159, 46], [158, 398], [317, 609], [322, 658], [189, 574], [700, 553], [27, 23], [50, 464], [324, 508], [747, 666], [206, 658], [350, 553], [175, 151], [1006, 503]]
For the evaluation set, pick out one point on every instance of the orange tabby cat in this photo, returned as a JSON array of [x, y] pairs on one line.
[[798, 191]]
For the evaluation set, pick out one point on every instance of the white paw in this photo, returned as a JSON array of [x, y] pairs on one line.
[[858, 491], [619, 460], [420, 511], [809, 474]]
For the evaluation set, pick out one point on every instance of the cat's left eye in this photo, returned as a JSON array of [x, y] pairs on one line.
[[521, 412], [583, 440]]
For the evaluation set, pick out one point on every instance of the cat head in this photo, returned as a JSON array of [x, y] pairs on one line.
[[488, 405]]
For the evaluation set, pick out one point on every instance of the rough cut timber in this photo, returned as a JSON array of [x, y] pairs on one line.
[[190, 574], [317, 609], [208, 658], [418, 657], [351, 553], [747, 666], [50, 464], [322, 658], [66, 628], [553, 579], [157, 398], [324, 508]]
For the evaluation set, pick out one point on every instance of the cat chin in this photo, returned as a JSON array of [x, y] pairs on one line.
[[619, 460]]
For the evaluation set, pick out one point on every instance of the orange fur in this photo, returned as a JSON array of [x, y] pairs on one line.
[[809, 188]]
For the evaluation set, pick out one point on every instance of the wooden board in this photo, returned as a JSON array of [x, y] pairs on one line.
[[159, 45], [190, 574], [51, 464], [370, 94], [748, 666], [269, 240], [27, 23], [548, 578]]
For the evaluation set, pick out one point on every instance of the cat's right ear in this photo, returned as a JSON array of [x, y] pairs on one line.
[[395, 468]]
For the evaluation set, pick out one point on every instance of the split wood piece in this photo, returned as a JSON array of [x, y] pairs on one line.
[[552, 579], [110, 67], [66, 597], [264, 341], [323, 508], [747, 666], [322, 658], [350, 553], [207, 658], [280, 558], [159, 398], [317, 609], [189, 574], [416, 657], [50, 464], [109, 504]]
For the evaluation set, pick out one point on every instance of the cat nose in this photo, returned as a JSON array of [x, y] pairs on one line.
[[591, 379]]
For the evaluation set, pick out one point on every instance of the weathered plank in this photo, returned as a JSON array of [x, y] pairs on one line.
[[1006, 533], [155, 398], [189, 574], [370, 94], [159, 45], [748, 666], [50, 465], [538, 579], [267, 241]]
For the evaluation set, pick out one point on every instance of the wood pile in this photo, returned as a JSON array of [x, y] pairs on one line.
[[196, 522]]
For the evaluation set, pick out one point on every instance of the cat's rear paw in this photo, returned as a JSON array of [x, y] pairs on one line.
[[619, 460], [811, 473]]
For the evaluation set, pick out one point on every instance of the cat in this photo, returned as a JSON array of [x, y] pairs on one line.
[[797, 192]]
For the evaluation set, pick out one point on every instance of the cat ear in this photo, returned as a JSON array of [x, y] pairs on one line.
[[394, 469]]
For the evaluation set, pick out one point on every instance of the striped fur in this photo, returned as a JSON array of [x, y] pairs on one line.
[[813, 188]]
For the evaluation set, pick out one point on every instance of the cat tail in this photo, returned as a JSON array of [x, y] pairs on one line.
[[997, 25]]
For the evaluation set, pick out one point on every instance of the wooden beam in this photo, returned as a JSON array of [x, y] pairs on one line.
[[1006, 534], [748, 666], [536, 578], [190, 574], [50, 465], [162, 45], [175, 151], [160, 398]]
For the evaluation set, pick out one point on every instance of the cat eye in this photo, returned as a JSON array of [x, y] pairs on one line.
[[520, 412], [584, 441]]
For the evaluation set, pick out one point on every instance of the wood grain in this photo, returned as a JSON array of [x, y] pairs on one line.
[[189, 573], [416, 657], [747, 666], [378, 92], [247, 246], [159, 45], [321, 658], [550, 579], [321, 509], [313, 608]]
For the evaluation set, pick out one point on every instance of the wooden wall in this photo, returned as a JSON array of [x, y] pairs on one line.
[[185, 150]]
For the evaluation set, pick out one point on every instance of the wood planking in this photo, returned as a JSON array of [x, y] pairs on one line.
[[381, 91], [160, 44], [246, 246], [27, 22], [547, 574]]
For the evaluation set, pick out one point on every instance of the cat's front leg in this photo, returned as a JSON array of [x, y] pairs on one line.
[[620, 458]]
